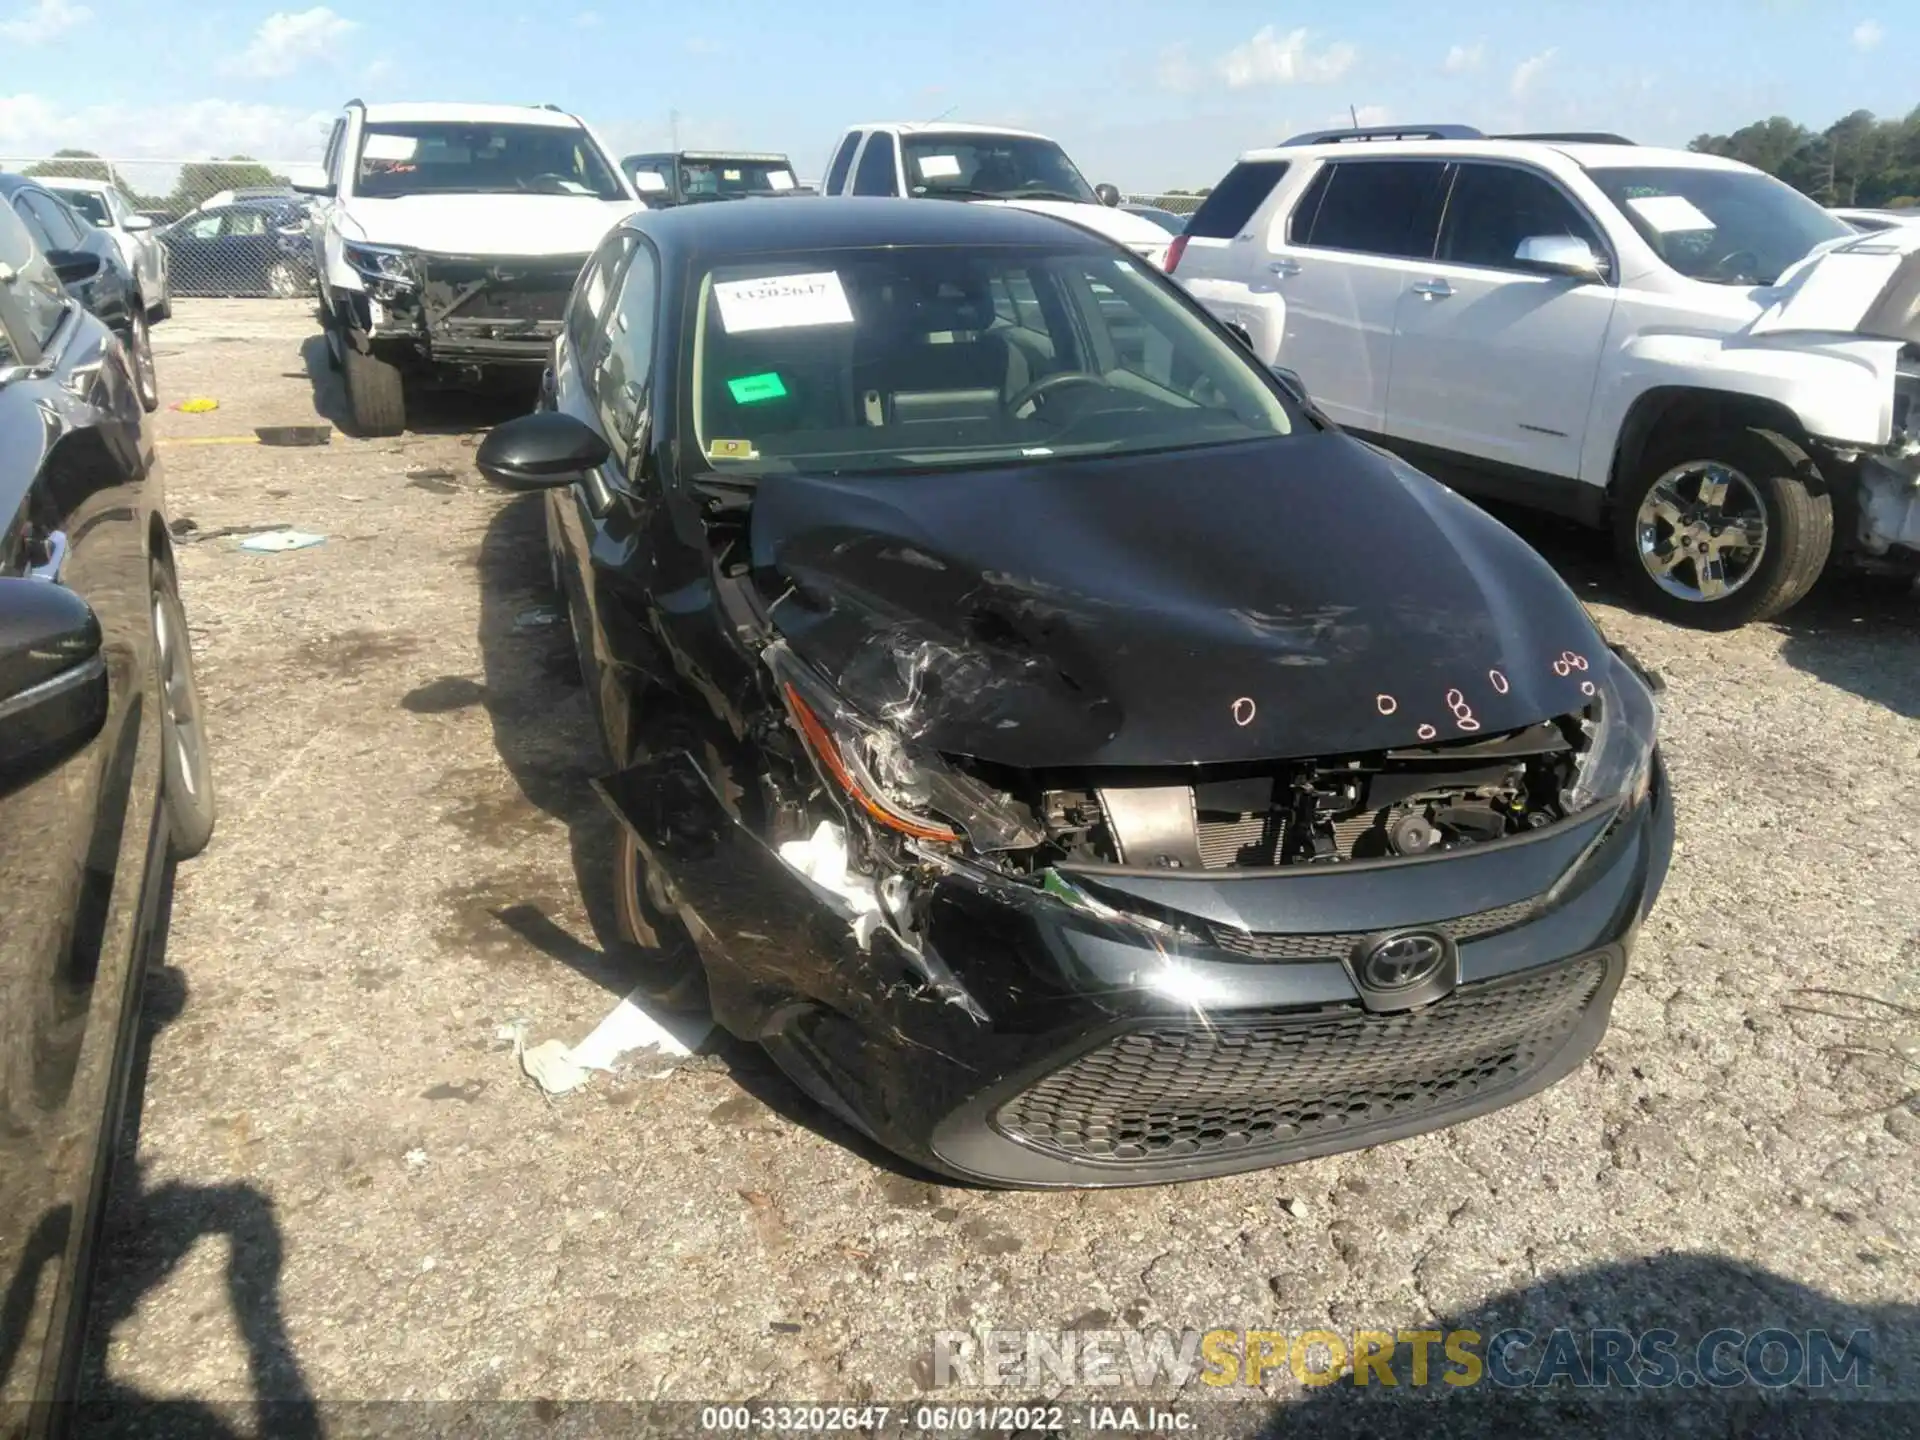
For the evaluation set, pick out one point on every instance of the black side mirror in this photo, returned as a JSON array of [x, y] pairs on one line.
[[322, 188], [1295, 386], [53, 683], [1107, 194], [73, 266], [542, 451]]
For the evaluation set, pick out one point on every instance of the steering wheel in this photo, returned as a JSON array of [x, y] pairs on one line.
[[1047, 384], [1730, 266]]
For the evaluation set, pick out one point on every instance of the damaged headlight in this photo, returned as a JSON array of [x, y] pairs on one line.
[[384, 262], [902, 787], [1621, 723]]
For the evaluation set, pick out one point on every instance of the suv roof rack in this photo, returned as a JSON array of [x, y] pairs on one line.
[[1348, 135], [1571, 137]]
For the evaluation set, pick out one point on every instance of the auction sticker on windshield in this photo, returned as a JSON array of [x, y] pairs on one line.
[[782, 302], [779, 180], [938, 167], [389, 147], [649, 183], [1669, 213]]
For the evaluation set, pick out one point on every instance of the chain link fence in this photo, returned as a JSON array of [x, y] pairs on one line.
[[1180, 202], [224, 227]]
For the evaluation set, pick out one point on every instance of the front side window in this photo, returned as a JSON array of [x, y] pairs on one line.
[[246, 222], [89, 205], [447, 158], [204, 227], [968, 165], [952, 357], [30, 307], [1495, 207], [1373, 207], [877, 175], [842, 162], [622, 379], [1727, 227], [50, 221]]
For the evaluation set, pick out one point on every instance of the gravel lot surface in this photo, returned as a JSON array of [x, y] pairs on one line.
[[344, 1189]]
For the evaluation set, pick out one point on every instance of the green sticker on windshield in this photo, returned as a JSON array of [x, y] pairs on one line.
[[752, 389]]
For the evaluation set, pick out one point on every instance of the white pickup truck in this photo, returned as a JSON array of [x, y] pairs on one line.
[[989, 164]]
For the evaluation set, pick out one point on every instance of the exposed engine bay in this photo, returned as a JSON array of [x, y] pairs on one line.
[[1401, 803]]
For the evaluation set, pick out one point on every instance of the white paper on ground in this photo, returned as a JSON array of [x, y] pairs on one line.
[[782, 302], [1670, 213], [389, 147], [938, 167], [779, 180], [272, 541], [559, 1068]]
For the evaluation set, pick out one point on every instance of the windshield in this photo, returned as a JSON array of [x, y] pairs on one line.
[[1727, 227], [90, 203], [458, 159], [718, 178], [954, 357], [970, 166]]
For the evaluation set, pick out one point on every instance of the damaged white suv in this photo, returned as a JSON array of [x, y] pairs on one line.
[[448, 239], [1671, 344]]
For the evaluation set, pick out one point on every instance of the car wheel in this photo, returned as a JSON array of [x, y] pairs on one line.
[[188, 763], [669, 972], [146, 381], [1724, 528], [283, 281], [375, 393]]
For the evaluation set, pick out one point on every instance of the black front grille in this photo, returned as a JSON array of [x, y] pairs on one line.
[[1179, 1093], [1282, 945]]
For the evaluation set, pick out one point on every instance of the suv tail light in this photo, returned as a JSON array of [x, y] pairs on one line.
[[1175, 251]]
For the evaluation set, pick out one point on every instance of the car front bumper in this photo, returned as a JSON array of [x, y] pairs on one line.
[[1019, 1038], [483, 310]]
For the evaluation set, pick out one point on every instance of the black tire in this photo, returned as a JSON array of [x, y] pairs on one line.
[[668, 970], [187, 777], [375, 394], [1773, 481], [139, 338]]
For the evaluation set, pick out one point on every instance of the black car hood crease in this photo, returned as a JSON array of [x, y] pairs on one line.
[[1281, 599]]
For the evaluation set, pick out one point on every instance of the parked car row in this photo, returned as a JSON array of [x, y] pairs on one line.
[[104, 774]]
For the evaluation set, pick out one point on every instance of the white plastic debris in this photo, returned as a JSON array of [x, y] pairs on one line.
[[274, 541], [822, 858], [559, 1068], [416, 1158]]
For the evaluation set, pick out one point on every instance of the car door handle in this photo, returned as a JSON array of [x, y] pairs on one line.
[[1284, 267], [47, 554], [1433, 289]]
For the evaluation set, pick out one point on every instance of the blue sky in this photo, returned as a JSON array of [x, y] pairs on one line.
[[1145, 93]]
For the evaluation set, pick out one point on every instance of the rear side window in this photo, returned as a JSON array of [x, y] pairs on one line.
[[842, 162], [1225, 212], [1373, 207], [879, 172]]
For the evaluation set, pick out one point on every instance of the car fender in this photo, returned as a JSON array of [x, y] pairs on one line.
[[1260, 314], [1840, 388]]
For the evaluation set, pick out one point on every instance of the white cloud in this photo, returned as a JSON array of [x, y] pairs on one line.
[[1528, 71], [1272, 59], [1176, 70], [32, 126], [1461, 59], [1868, 34], [42, 21], [288, 39]]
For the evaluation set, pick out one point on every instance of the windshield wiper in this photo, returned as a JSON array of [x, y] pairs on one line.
[[962, 192], [1041, 193]]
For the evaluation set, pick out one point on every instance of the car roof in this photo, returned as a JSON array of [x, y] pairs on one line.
[[817, 222], [423, 112], [73, 182], [946, 127], [1588, 156]]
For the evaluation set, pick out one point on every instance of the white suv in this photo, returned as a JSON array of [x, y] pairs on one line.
[[1672, 344], [448, 240], [989, 164]]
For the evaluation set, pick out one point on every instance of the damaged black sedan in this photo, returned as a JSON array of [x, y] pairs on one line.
[[1072, 758]]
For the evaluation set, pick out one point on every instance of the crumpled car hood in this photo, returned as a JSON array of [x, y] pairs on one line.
[[1309, 596], [1867, 285]]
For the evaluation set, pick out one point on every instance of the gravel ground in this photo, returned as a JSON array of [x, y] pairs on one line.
[[345, 1190]]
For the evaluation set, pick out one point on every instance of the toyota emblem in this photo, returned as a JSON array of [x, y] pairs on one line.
[[1400, 962]]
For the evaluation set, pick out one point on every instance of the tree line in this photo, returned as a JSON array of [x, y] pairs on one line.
[[1860, 159], [195, 182]]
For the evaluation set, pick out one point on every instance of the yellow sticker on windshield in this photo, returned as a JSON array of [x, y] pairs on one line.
[[732, 450]]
